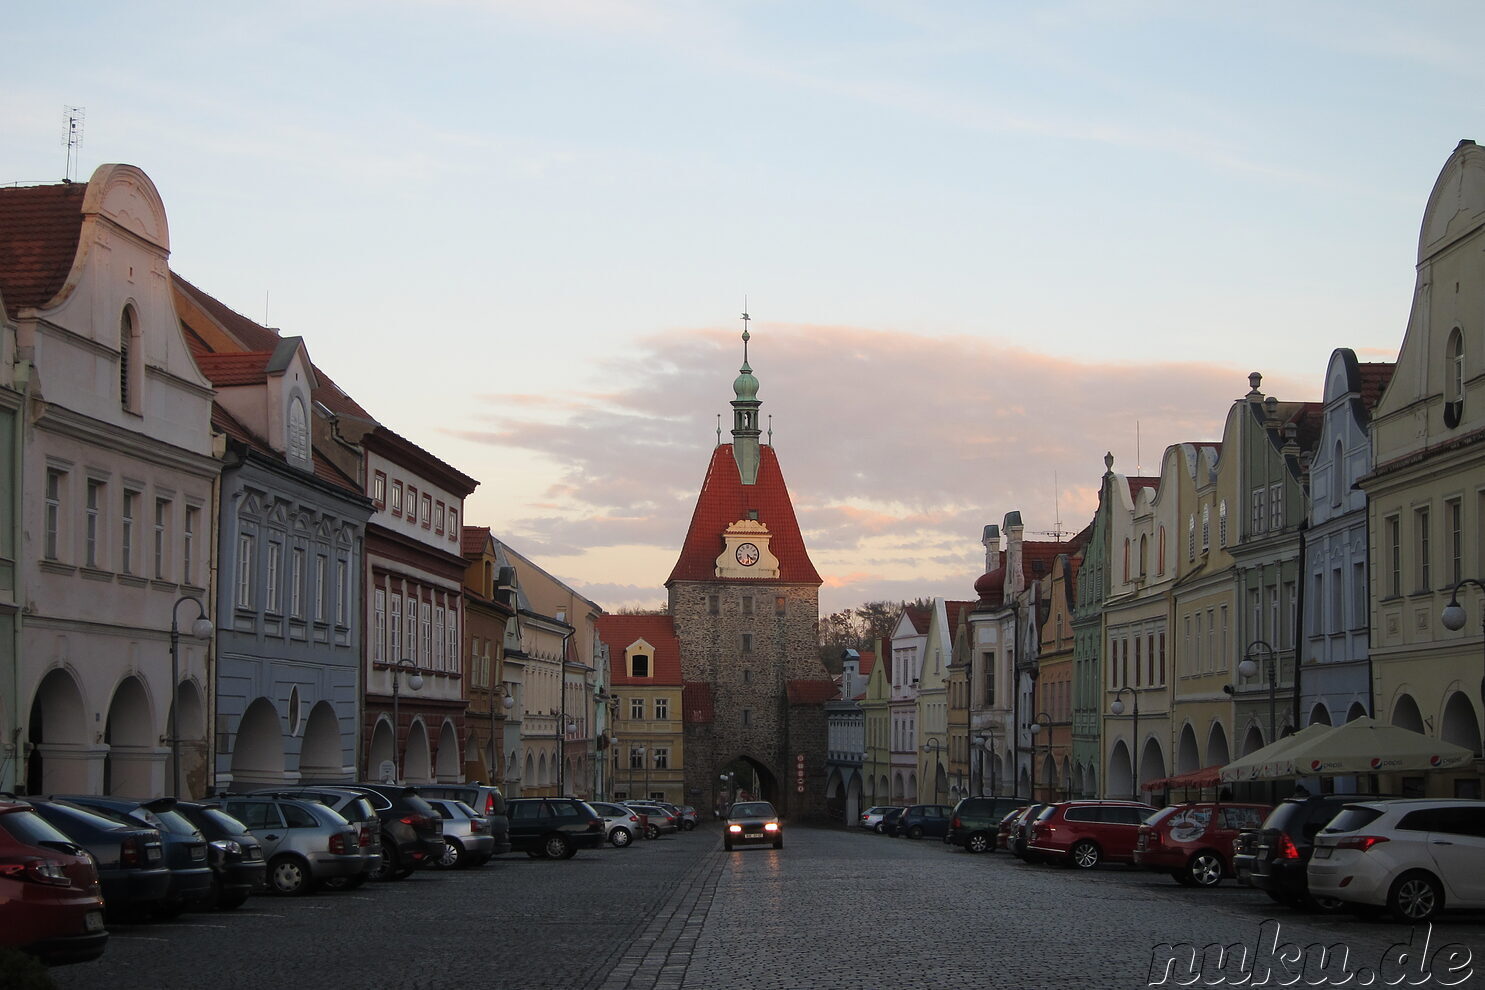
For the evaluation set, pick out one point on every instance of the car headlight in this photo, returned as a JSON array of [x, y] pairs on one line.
[[771, 827], [734, 828]]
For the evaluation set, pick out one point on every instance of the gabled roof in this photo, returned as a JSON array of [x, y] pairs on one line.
[[243, 368], [724, 500], [39, 231], [811, 692], [1374, 378], [473, 539], [696, 703], [1037, 557], [866, 660], [955, 611], [919, 617], [619, 632]]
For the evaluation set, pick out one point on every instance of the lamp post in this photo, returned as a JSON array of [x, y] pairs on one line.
[[729, 786], [1248, 667], [1453, 618], [934, 746], [201, 629], [1118, 709], [1042, 718], [986, 745], [414, 681]]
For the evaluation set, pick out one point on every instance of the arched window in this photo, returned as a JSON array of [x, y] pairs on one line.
[[1222, 522], [1337, 476], [129, 361], [1144, 554], [1160, 550], [1454, 379], [1126, 559], [1190, 538], [1206, 528]]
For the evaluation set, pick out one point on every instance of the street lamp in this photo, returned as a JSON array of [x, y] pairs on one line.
[[1042, 718], [934, 746], [1248, 667], [1453, 617], [986, 745], [640, 751], [565, 728], [1118, 709], [201, 629], [414, 681]]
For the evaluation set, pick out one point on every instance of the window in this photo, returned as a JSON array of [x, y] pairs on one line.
[[453, 525], [779, 605], [1420, 528], [1454, 519], [188, 545], [1394, 556], [130, 367], [425, 653], [1206, 528], [245, 549], [51, 548], [747, 717], [162, 519], [451, 638], [1257, 510], [322, 586], [1162, 644], [747, 676], [94, 525], [296, 583], [1358, 595], [662, 758], [379, 630], [1454, 379], [379, 488], [1337, 478], [1190, 538], [396, 498], [1139, 652], [126, 532], [747, 642], [427, 510], [1201, 660], [342, 593], [438, 654], [988, 660], [1150, 660], [438, 514], [636, 708], [394, 627], [662, 708], [1144, 555], [713, 605], [412, 504], [1276, 507], [639, 665], [1126, 559], [275, 563], [636, 759], [1317, 614], [410, 638], [747, 604], [1222, 523], [1187, 658], [1160, 553]]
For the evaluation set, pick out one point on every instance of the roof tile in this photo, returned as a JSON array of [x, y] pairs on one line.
[[619, 632], [39, 231]]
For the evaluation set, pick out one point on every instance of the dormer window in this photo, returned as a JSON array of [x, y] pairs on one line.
[[298, 430], [639, 665], [1454, 379]]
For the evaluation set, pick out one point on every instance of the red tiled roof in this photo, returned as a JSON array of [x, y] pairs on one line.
[[1310, 418], [724, 500], [955, 612], [868, 661], [811, 692], [1374, 378], [472, 540], [39, 231], [1037, 557], [696, 703], [243, 368], [224, 422], [619, 632], [1137, 483], [918, 617]]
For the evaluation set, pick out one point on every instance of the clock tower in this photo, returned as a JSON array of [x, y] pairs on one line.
[[744, 599]]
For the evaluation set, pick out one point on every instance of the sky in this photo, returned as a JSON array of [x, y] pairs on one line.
[[981, 243]]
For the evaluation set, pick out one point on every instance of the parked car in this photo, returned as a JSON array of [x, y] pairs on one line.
[[974, 820], [621, 824], [1086, 833], [466, 834], [412, 832], [919, 820], [235, 855], [51, 903], [355, 807], [1244, 850], [753, 823], [486, 800], [304, 841], [185, 847], [888, 824], [1193, 841], [871, 818], [1414, 858], [1281, 856], [130, 858], [658, 821], [1020, 833], [1006, 829], [554, 828], [690, 817], [675, 812]]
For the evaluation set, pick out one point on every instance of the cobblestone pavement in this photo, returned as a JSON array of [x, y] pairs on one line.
[[834, 908]]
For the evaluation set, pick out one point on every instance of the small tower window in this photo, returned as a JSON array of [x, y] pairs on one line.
[[639, 665]]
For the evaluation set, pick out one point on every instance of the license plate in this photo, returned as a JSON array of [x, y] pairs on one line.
[[152, 854], [93, 921], [752, 835], [1322, 852]]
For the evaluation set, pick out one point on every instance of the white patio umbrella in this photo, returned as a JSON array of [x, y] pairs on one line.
[[1263, 764], [1368, 746]]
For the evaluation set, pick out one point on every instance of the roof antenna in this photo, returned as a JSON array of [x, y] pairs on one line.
[[746, 319], [719, 429], [1137, 470], [75, 116], [770, 429]]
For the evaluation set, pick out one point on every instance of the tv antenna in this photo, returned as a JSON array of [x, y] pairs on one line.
[[1056, 532], [73, 138]]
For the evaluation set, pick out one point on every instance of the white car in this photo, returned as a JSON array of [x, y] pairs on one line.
[[871, 818], [621, 825], [1414, 857]]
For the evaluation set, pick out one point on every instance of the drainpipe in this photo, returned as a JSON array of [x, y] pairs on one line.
[[1301, 578], [21, 380]]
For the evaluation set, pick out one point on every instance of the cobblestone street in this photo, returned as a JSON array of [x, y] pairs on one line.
[[833, 908]]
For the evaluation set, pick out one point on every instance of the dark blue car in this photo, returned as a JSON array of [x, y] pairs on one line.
[[130, 858], [185, 847], [919, 820]]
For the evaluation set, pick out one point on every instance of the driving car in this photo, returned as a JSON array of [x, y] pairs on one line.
[[753, 823], [51, 904], [1415, 858]]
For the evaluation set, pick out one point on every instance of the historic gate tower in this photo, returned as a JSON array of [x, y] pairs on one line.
[[744, 597]]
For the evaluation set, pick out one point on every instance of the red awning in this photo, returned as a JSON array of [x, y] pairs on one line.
[[1205, 777]]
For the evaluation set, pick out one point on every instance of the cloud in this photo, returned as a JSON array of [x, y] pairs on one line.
[[897, 448]]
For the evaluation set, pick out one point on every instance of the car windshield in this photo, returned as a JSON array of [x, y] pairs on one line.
[[175, 823], [754, 809], [225, 821], [1353, 818], [30, 828], [1160, 816]]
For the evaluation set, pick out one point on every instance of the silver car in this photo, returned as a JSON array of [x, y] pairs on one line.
[[467, 840], [623, 825], [355, 808], [305, 842]]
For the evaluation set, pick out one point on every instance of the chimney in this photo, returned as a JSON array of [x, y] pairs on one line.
[[991, 540]]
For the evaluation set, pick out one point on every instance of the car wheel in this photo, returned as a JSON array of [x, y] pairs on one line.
[[977, 842], [688, 825], [1206, 868], [389, 865], [452, 855], [620, 837], [1415, 897], [880, 828], [558, 846], [652, 831], [916, 832], [289, 875], [1086, 854]]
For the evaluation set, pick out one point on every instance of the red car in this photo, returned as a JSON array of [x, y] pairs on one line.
[[1193, 842], [1086, 833], [50, 902]]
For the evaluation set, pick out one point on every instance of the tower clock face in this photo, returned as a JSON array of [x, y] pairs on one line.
[[747, 554]]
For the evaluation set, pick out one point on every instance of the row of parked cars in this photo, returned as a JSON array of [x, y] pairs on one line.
[[1364, 854], [69, 863]]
